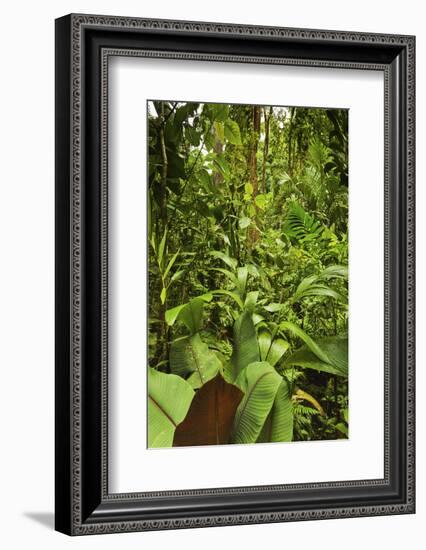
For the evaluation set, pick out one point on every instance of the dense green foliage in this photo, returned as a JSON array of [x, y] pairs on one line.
[[248, 255]]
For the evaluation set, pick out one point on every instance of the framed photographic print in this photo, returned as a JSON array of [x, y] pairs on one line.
[[234, 274]]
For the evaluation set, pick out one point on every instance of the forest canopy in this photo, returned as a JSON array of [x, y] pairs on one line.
[[248, 276]]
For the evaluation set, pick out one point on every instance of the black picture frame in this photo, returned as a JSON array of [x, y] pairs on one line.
[[83, 45]]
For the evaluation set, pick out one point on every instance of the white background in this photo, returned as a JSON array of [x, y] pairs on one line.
[[132, 81], [26, 301]]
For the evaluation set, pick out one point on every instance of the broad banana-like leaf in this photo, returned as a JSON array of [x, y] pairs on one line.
[[271, 350], [274, 307], [335, 349], [259, 382], [265, 340], [242, 274], [288, 326], [335, 271], [191, 313], [321, 290], [245, 348], [276, 351], [251, 299], [191, 356], [230, 262], [232, 132], [312, 286], [232, 295], [231, 276], [279, 424], [169, 399], [305, 284], [257, 318], [211, 414]]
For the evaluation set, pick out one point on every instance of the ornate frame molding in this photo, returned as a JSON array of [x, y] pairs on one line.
[[73, 52]]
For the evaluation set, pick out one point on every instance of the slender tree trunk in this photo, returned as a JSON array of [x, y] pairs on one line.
[[218, 149], [164, 169], [266, 118], [254, 142], [290, 142], [162, 331]]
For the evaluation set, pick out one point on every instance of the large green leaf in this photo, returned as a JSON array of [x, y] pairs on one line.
[[231, 276], [232, 295], [259, 382], [319, 290], [251, 300], [242, 274], [169, 399], [265, 340], [279, 424], [191, 356], [190, 314], [276, 351], [230, 262], [245, 348], [232, 132], [334, 347], [288, 326], [217, 111], [334, 271], [311, 286]]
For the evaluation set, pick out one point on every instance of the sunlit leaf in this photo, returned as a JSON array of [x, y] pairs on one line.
[[242, 274], [231, 276], [273, 308], [177, 275], [232, 295], [245, 347], [310, 343], [220, 133], [190, 356], [278, 426], [161, 248], [265, 340], [333, 348], [276, 351], [169, 399], [244, 222], [219, 111], [189, 313], [259, 382], [232, 132], [335, 271], [230, 262], [251, 299], [260, 201], [170, 264], [342, 428], [248, 187]]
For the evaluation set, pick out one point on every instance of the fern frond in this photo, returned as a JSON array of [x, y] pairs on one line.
[[301, 225]]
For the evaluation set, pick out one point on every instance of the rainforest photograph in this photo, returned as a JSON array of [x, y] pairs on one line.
[[247, 274]]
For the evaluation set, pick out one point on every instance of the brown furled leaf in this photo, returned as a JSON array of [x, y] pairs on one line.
[[210, 416], [300, 395]]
